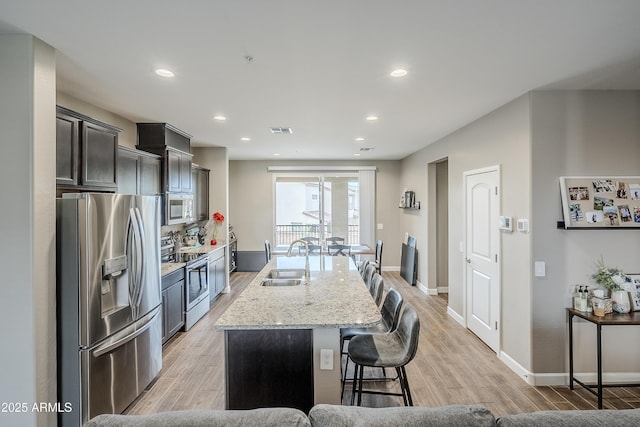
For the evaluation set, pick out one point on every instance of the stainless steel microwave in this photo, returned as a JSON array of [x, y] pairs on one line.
[[178, 208]]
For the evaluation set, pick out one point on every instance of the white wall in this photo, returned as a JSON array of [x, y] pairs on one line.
[[27, 258], [217, 160], [499, 138], [251, 202], [580, 133]]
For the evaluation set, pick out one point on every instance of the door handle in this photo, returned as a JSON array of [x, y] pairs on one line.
[[468, 260]]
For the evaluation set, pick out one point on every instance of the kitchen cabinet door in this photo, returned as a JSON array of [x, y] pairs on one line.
[[67, 149], [99, 147], [217, 273], [138, 172], [200, 183], [172, 310], [127, 171], [150, 168]]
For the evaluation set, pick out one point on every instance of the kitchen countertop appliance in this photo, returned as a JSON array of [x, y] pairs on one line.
[[108, 301]]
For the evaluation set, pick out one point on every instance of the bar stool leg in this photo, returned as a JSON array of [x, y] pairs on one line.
[[355, 377], [361, 374], [406, 385], [344, 377]]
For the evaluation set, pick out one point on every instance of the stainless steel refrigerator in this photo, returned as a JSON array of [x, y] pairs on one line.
[[108, 301]]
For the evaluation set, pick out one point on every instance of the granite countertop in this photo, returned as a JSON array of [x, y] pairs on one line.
[[170, 267], [336, 297]]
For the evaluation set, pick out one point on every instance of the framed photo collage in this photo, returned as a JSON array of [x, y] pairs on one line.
[[601, 202]]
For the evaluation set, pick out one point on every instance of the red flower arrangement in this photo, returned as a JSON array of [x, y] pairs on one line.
[[218, 218]]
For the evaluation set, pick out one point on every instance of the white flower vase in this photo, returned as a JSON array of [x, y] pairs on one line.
[[621, 303]]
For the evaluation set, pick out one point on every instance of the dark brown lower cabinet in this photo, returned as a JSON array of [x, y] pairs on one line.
[[172, 304], [269, 368]]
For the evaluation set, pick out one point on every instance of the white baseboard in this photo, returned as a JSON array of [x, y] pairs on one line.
[[443, 289], [455, 316], [391, 268], [517, 368], [562, 378]]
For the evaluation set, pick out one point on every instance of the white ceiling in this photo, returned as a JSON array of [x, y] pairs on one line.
[[320, 67]]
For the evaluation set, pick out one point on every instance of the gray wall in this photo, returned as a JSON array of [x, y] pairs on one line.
[[251, 202], [499, 138], [579, 133], [27, 259]]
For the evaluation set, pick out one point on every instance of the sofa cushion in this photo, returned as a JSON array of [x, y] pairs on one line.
[[271, 417], [355, 416], [595, 418]]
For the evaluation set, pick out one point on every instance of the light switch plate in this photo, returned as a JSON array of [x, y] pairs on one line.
[[326, 359], [380, 227]]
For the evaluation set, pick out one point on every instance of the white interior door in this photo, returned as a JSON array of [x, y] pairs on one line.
[[482, 255]]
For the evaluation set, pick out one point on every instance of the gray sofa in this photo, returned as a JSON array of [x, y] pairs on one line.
[[354, 416]]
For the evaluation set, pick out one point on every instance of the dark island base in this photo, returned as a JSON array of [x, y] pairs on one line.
[[269, 368]]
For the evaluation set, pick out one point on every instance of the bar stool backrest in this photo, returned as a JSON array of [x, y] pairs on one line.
[[267, 250], [409, 332], [368, 275], [377, 286], [362, 266], [391, 309]]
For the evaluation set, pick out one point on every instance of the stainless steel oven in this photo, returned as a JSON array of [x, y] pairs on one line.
[[196, 290]]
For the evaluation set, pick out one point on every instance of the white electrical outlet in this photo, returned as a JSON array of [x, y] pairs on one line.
[[326, 359]]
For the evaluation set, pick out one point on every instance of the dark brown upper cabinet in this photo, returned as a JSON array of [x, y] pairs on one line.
[[200, 180], [86, 152], [138, 172], [175, 148]]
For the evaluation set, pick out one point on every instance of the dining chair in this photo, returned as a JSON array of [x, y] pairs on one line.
[[391, 350], [335, 240], [267, 250], [335, 250], [378, 257]]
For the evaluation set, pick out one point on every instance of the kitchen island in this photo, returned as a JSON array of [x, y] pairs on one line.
[[282, 343]]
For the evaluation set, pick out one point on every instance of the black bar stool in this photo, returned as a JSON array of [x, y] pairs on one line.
[[391, 350], [390, 313]]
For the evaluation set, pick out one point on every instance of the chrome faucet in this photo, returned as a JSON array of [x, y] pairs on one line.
[[307, 274]]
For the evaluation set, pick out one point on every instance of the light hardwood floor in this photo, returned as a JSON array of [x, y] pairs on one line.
[[452, 366]]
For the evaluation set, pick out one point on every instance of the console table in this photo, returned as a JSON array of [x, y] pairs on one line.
[[611, 319]]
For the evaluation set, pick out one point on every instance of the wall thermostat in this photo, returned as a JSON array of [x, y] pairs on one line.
[[523, 225], [505, 223]]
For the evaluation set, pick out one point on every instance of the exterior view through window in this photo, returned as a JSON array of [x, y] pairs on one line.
[[317, 206]]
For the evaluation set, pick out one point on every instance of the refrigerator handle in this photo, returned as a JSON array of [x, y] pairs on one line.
[[134, 259], [141, 260], [110, 346]]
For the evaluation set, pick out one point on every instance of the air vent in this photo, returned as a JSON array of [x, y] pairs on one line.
[[281, 131], [366, 148]]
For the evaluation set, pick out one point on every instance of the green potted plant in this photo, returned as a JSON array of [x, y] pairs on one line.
[[612, 278]]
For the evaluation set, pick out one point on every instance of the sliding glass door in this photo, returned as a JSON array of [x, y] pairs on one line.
[[317, 205]]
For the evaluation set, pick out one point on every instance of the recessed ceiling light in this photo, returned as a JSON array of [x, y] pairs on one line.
[[398, 73], [244, 138], [164, 73], [219, 118], [359, 139], [276, 154], [372, 118], [356, 154]]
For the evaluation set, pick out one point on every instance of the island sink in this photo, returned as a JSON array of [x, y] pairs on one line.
[[285, 273], [281, 282], [283, 277]]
